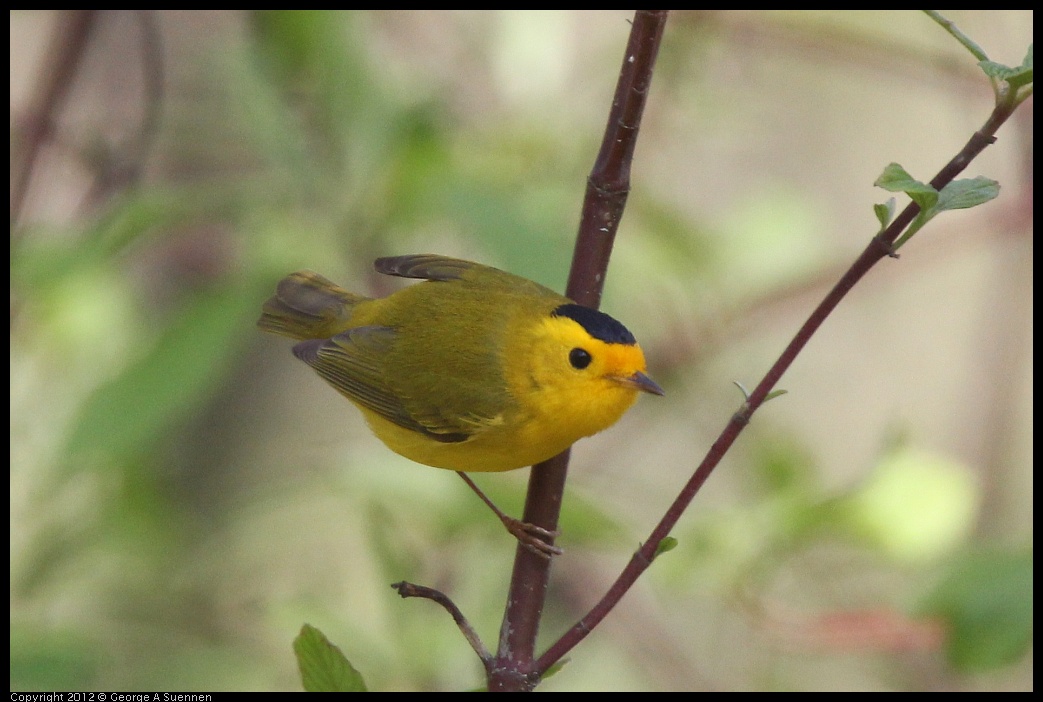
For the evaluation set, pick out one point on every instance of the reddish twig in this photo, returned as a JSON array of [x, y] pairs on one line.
[[406, 590], [879, 247]]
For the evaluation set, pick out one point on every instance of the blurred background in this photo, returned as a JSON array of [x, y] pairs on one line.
[[185, 494]]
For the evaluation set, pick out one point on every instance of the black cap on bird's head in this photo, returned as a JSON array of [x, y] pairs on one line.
[[625, 365], [598, 324]]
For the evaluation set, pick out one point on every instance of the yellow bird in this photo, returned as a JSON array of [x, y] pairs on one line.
[[474, 369]]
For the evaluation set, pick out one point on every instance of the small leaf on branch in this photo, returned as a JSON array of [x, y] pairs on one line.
[[668, 543], [555, 668], [895, 179], [885, 212], [969, 192], [1017, 76]]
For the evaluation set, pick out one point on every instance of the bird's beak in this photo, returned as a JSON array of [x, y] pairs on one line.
[[640, 381]]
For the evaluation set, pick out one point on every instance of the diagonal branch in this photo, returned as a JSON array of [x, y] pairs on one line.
[[406, 590], [879, 247]]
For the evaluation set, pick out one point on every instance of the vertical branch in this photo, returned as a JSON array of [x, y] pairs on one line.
[[607, 188], [120, 165], [609, 182], [64, 56], [124, 164]]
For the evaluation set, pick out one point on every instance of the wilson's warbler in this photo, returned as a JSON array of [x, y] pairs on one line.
[[473, 370]]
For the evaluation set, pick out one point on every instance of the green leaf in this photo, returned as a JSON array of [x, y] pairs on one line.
[[885, 212], [553, 670], [915, 506], [994, 69], [895, 179], [959, 194], [668, 543], [323, 667], [1026, 63], [986, 601], [1017, 76], [969, 192]]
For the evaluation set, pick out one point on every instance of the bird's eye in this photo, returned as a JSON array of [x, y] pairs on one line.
[[579, 358]]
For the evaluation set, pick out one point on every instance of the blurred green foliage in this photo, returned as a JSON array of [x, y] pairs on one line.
[[986, 601]]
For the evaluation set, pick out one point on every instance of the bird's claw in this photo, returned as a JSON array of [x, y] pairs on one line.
[[534, 538]]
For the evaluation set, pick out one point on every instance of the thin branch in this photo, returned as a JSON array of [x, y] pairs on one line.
[[951, 28], [64, 56], [879, 247], [406, 590], [607, 188], [123, 164]]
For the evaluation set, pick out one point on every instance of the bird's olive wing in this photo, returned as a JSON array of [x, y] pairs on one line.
[[353, 363], [427, 266], [474, 275]]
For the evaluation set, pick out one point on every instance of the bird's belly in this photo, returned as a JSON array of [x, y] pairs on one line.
[[493, 449]]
